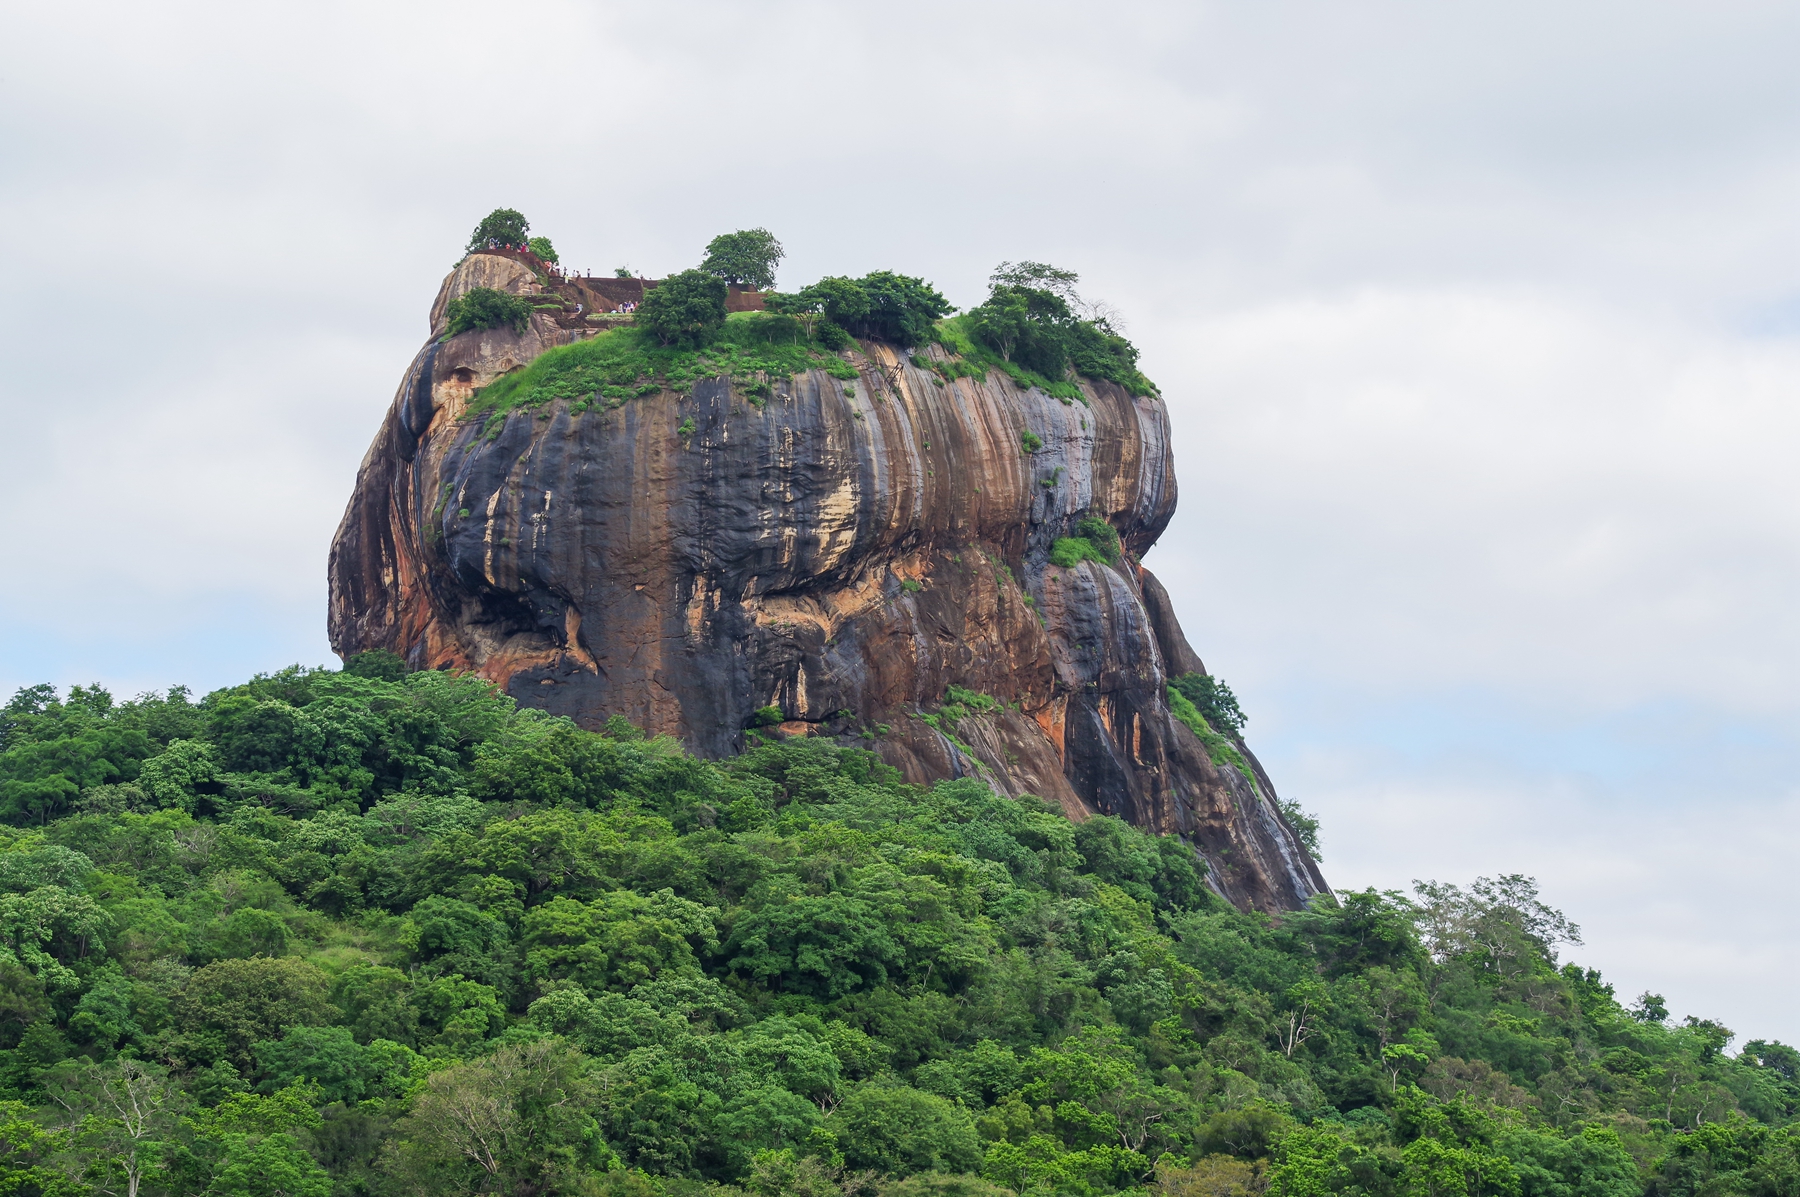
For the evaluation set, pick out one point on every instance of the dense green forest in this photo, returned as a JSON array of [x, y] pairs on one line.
[[376, 932]]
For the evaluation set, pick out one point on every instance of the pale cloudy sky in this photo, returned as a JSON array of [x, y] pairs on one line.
[[1480, 330]]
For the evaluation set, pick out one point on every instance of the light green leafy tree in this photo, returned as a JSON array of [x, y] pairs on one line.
[[747, 257], [517, 1121]]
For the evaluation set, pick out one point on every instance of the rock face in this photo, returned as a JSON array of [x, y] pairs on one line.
[[845, 552]]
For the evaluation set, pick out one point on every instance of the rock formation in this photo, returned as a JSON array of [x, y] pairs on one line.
[[844, 552]]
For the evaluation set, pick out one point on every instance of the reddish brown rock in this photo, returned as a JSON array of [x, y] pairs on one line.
[[843, 553]]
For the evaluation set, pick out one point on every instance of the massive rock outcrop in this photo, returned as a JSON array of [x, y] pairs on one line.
[[845, 552]]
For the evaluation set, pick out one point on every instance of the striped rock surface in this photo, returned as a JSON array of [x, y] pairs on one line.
[[845, 552]]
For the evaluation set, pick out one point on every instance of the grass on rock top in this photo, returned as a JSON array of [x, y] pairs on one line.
[[611, 367], [752, 348]]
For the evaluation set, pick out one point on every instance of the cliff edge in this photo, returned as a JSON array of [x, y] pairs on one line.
[[845, 545]]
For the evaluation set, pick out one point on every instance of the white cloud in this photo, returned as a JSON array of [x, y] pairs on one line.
[[1493, 488]]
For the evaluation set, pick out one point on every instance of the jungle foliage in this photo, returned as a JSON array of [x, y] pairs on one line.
[[377, 932]]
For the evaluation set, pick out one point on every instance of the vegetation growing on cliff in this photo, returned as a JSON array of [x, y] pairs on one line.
[[314, 932], [1094, 540], [484, 307], [1213, 699], [1206, 706], [1219, 748], [971, 359], [1033, 318]]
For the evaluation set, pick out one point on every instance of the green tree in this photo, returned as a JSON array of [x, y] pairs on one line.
[[456, 937], [241, 1113], [901, 310], [377, 664], [1034, 317], [684, 309], [827, 945], [1213, 699], [1593, 1163], [457, 1012], [501, 227], [51, 931], [793, 1056], [513, 1122], [616, 940], [125, 1122], [747, 257], [24, 870], [26, 1154], [331, 1058], [177, 776], [484, 307], [268, 1166], [883, 306], [543, 249], [894, 1128], [231, 1005], [51, 751], [763, 1119], [1040, 276], [1027, 326], [103, 1016]]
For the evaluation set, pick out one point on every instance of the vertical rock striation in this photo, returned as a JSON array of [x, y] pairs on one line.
[[844, 552]]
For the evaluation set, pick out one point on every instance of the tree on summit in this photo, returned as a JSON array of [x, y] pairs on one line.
[[502, 226], [686, 309], [747, 257]]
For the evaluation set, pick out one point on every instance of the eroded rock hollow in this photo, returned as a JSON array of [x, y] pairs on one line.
[[845, 551]]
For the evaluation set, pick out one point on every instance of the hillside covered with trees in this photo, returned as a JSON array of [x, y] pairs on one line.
[[376, 932]]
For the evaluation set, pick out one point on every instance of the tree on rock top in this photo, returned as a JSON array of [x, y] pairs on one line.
[[502, 226], [747, 257], [685, 309], [883, 305]]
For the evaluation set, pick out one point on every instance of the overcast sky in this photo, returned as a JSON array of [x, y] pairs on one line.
[[1480, 330]]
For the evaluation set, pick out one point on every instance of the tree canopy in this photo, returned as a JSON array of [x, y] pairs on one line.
[[684, 309], [882, 305], [747, 257], [501, 227], [1033, 316], [379, 932]]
